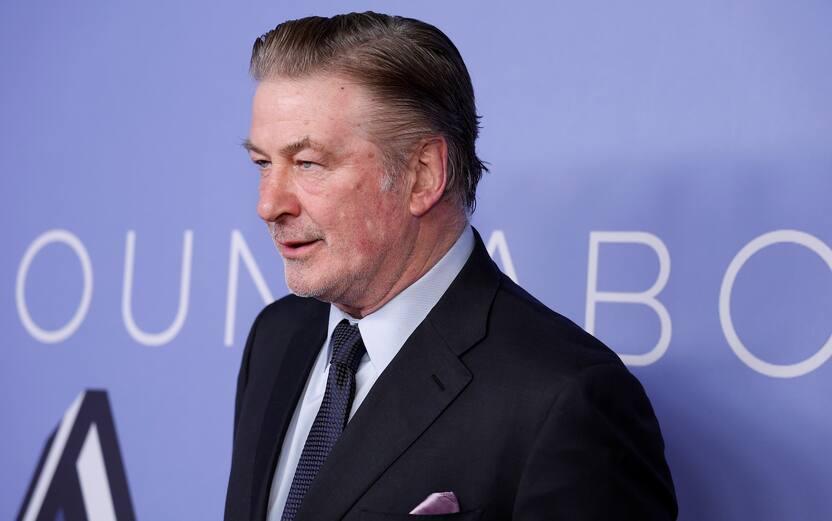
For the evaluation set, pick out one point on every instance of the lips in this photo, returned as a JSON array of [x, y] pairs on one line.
[[296, 244], [295, 249]]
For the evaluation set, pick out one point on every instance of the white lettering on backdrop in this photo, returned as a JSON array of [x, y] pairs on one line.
[[646, 297], [163, 337], [239, 249], [68, 329], [752, 361], [497, 247], [497, 244]]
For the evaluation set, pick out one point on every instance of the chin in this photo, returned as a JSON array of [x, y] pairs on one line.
[[303, 287], [303, 290]]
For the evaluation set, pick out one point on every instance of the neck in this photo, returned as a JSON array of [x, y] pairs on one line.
[[432, 241]]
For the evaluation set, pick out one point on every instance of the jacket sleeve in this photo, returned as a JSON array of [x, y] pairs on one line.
[[599, 454]]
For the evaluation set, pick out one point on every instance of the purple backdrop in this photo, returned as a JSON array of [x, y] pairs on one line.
[[627, 142]]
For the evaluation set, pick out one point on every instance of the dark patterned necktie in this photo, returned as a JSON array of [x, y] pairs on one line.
[[347, 349]]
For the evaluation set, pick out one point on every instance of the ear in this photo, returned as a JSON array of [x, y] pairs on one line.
[[428, 175]]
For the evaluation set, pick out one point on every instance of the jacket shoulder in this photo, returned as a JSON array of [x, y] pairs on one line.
[[538, 336]]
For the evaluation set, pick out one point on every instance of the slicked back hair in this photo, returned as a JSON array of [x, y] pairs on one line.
[[411, 67]]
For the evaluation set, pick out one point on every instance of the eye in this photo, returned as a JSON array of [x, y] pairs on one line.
[[262, 164], [306, 165]]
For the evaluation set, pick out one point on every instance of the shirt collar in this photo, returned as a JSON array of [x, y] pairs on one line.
[[385, 331]]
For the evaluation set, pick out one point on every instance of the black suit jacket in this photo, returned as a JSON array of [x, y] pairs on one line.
[[494, 397]]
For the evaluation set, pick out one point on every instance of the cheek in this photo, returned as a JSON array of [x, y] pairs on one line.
[[369, 234], [349, 225], [366, 232], [366, 220], [384, 228], [312, 184]]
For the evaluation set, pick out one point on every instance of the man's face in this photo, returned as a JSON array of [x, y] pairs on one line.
[[340, 234]]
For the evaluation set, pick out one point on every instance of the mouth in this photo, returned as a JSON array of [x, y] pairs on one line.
[[296, 249]]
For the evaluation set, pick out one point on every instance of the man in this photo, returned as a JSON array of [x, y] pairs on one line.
[[406, 373]]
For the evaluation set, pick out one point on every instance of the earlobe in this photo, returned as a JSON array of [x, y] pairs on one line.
[[429, 175]]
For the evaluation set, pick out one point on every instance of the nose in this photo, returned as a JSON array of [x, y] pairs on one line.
[[277, 196]]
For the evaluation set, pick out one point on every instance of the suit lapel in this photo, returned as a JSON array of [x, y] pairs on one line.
[[298, 359], [424, 377]]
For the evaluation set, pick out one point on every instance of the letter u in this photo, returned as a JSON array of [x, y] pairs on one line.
[[163, 337]]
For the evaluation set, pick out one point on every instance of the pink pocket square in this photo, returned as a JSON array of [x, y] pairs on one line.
[[437, 503]]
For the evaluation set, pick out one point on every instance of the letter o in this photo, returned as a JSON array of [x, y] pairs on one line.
[[67, 330], [776, 370]]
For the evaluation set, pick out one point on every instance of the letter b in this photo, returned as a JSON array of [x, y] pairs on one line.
[[647, 297]]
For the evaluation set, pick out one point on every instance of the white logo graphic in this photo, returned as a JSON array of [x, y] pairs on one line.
[[81, 475]]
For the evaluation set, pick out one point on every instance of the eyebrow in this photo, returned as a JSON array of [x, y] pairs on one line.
[[251, 147], [291, 149]]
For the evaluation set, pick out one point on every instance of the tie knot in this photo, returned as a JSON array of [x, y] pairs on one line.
[[346, 345]]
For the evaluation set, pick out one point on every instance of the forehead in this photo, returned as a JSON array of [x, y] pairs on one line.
[[324, 108]]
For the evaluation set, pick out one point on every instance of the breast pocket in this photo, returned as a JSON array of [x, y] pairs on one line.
[[469, 515]]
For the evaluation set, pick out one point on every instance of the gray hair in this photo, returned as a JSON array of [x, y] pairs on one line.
[[410, 66]]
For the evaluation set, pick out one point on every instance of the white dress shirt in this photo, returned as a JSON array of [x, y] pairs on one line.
[[384, 332]]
